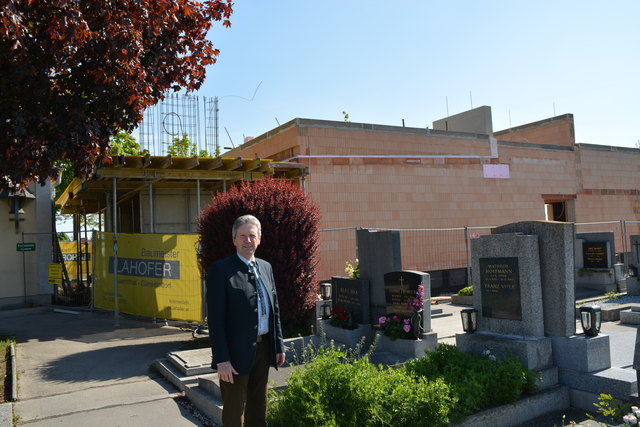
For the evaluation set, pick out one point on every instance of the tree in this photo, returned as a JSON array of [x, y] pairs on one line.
[[182, 147], [73, 73], [124, 143], [290, 236]]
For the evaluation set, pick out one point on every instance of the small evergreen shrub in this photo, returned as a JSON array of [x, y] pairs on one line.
[[477, 381], [289, 220], [466, 291], [336, 390]]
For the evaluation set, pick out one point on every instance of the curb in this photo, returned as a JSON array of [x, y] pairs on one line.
[[14, 373]]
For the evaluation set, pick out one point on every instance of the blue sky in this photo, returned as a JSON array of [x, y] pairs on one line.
[[383, 61]]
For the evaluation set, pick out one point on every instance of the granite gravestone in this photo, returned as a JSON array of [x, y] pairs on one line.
[[635, 250], [400, 288], [352, 294]]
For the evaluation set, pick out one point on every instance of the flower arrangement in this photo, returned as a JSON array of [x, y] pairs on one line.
[[397, 326], [353, 270], [340, 318]]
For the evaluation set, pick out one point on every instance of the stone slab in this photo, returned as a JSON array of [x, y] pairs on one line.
[[516, 413], [534, 353], [581, 353], [349, 337], [407, 349], [192, 362], [630, 317], [618, 382], [548, 378]]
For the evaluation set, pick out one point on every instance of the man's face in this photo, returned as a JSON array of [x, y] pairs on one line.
[[247, 240]]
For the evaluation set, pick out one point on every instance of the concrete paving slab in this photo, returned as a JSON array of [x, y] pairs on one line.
[[159, 412], [6, 415], [78, 370]]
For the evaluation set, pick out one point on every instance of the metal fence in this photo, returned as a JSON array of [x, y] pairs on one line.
[[425, 249]]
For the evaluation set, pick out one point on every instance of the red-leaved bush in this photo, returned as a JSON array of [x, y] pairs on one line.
[[289, 240]]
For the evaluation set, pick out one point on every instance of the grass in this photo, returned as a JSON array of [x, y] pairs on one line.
[[5, 372]]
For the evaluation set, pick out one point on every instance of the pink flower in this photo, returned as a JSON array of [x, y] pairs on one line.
[[406, 328], [406, 321], [395, 317], [382, 320]]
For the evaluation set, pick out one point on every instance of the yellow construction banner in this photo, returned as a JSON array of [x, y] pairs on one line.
[[70, 252], [158, 275]]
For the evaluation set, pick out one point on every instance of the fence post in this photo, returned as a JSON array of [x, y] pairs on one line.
[[466, 248], [623, 228]]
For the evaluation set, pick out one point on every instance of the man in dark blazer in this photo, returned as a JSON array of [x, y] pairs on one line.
[[244, 326]]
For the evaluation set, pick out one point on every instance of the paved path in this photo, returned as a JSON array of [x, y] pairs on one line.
[[79, 370]]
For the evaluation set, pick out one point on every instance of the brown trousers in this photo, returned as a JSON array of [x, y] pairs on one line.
[[248, 394]]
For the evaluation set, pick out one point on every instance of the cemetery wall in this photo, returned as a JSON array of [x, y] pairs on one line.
[[436, 179]]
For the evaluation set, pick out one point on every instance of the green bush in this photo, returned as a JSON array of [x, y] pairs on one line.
[[477, 381], [467, 291], [336, 390]]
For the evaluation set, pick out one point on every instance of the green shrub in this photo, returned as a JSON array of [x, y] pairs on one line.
[[477, 381], [336, 390], [467, 291]]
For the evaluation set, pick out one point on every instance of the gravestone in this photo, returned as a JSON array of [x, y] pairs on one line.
[[352, 294], [506, 270], [378, 253], [400, 289], [635, 249], [595, 254], [594, 261]]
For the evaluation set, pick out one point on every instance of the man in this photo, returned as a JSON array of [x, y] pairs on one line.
[[244, 326]]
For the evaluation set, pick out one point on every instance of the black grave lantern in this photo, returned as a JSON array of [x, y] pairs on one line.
[[591, 319], [325, 291], [469, 320], [326, 311]]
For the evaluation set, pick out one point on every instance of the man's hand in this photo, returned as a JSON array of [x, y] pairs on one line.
[[280, 359], [226, 372]]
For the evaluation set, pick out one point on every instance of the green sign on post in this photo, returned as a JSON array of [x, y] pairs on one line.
[[25, 247]]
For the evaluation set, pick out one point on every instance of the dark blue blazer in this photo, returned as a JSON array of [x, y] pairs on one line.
[[233, 313]]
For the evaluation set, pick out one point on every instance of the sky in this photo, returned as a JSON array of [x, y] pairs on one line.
[[421, 60], [382, 62]]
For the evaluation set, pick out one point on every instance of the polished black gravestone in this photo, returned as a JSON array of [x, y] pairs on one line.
[[400, 289], [595, 255], [500, 288], [354, 295]]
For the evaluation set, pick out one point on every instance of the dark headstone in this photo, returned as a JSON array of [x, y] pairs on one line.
[[595, 255], [400, 289], [500, 288], [352, 294]]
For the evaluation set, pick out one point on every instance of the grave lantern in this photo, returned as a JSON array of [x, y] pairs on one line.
[[590, 319], [326, 311], [325, 291], [469, 320]]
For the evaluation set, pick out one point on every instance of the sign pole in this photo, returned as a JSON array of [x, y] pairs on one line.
[[24, 272], [116, 319]]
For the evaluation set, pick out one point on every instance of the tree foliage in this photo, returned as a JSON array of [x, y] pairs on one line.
[[124, 143], [182, 147], [73, 73], [289, 221]]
